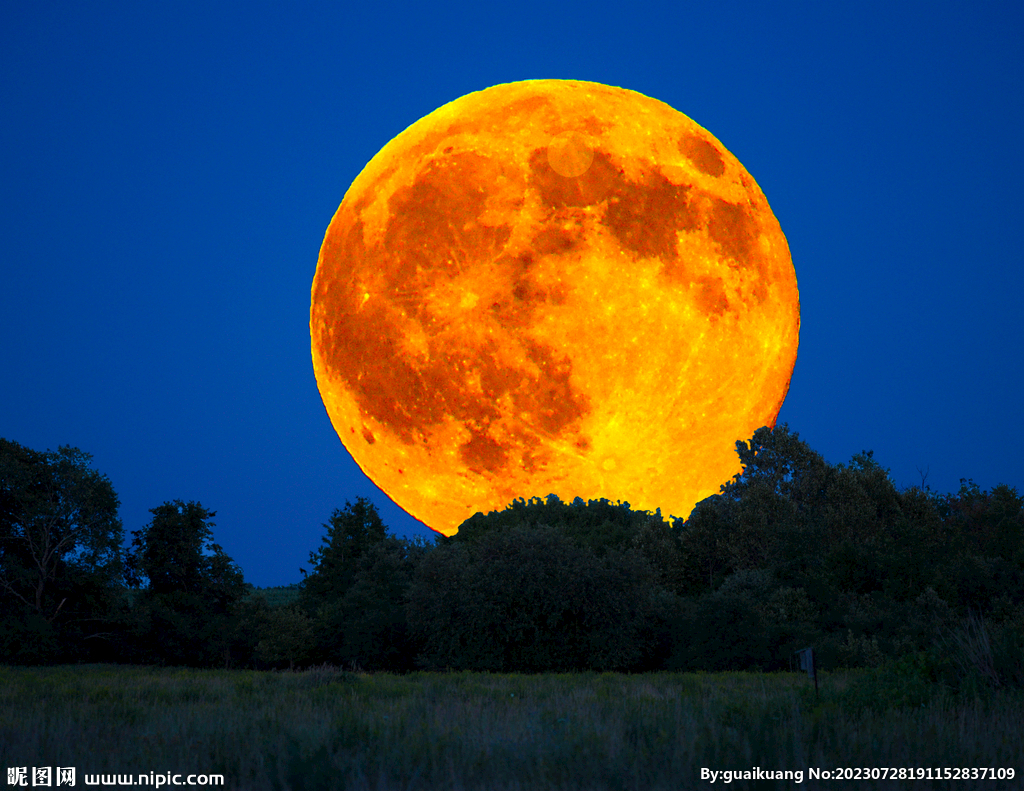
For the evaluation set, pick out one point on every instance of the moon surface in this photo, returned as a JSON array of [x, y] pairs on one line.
[[552, 286]]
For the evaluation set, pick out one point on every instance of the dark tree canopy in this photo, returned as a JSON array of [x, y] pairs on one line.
[[357, 590], [367, 627], [176, 553], [528, 599], [793, 552], [351, 531], [186, 609], [60, 549], [58, 517], [597, 524]]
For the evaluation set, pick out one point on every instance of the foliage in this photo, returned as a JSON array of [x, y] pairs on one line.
[[351, 531], [60, 554], [532, 599], [749, 622], [987, 524], [877, 567], [760, 518], [983, 654], [793, 552], [186, 611], [356, 592], [599, 525], [367, 627], [906, 682], [287, 636]]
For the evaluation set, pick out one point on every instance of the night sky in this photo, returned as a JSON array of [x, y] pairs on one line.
[[168, 171]]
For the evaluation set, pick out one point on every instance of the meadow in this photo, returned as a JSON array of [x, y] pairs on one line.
[[325, 728]]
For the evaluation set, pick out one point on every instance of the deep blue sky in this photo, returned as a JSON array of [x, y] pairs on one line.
[[168, 170]]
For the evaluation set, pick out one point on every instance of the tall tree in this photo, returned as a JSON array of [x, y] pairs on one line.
[[60, 545], [351, 531], [191, 586], [760, 518], [368, 627]]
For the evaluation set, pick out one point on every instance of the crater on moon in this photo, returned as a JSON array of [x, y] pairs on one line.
[[552, 286]]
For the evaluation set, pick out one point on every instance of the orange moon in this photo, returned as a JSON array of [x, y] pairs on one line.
[[552, 286]]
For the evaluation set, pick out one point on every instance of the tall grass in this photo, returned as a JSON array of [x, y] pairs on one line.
[[324, 728], [975, 656]]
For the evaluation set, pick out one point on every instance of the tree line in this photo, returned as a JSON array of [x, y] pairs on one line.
[[793, 552]]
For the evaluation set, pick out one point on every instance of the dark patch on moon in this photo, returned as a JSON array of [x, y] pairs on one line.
[[643, 216], [646, 217], [734, 229], [557, 239], [483, 454], [710, 295], [702, 154], [438, 224], [557, 191], [554, 404]]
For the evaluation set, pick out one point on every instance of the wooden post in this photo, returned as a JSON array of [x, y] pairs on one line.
[[807, 663]]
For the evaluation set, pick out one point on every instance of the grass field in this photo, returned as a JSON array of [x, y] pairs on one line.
[[324, 728]]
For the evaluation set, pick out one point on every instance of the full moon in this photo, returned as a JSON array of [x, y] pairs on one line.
[[552, 286]]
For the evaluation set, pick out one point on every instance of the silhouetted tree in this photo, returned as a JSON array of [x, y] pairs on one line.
[[759, 519], [60, 554], [988, 524], [725, 630], [186, 610], [357, 589], [857, 554], [351, 531], [659, 543], [367, 626], [598, 524]]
